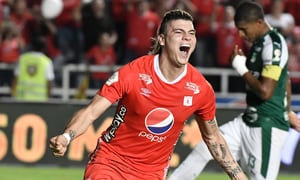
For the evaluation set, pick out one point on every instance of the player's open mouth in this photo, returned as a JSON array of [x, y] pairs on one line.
[[184, 49]]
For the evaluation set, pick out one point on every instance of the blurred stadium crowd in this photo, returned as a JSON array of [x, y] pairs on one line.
[[114, 32]]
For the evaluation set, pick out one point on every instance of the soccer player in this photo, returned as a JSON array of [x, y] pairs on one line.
[[255, 137], [156, 94]]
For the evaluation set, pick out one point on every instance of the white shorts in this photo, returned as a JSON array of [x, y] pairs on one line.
[[258, 150]]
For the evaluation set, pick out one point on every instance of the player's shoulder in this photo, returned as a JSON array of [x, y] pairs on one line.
[[194, 74], [139, 64], [273, 37], [143, 60]]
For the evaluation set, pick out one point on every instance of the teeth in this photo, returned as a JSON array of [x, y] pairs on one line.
[[184, 47]]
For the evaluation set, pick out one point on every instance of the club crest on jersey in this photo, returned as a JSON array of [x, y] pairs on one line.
[[146, 78], [113, 78], [188, 100], [277, 54], [159, 121], [193, 87]]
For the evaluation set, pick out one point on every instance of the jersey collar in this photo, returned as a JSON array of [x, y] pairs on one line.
[[161, 76]]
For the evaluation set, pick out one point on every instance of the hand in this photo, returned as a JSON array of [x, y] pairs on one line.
[[294, 120], [238, 60], [58, 145], [237, 51]]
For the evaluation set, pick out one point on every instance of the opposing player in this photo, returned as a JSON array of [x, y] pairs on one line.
[[257, 136], [156, 94]]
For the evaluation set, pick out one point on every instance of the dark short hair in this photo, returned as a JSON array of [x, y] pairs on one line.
[[173, 15], [248, 11], [176, 14]]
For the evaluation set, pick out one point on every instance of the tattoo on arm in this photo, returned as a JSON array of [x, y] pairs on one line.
[[220, 150], [223, 150], [235, 171], [72, 134], [212, 122], [215, 149], [231, 167], [221, 154]]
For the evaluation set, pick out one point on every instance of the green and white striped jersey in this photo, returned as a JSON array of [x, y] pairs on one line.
[[270, 50]]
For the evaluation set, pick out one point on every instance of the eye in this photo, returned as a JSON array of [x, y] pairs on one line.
[[178, 32], [193, 33]]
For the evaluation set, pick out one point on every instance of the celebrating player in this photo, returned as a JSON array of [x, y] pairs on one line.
[[257, 136], [156, 94]]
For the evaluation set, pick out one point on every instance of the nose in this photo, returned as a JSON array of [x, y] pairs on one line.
[[187, 36]]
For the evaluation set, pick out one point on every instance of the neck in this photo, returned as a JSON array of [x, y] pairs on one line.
[[169, 70]]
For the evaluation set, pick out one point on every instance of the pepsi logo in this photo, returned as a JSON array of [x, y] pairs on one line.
[[159, 121]]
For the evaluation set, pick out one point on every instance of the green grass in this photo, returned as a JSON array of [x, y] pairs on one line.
[[55, 173], [40, 173]]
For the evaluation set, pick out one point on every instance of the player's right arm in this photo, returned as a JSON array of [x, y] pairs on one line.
[[79, 124], [219, 148]]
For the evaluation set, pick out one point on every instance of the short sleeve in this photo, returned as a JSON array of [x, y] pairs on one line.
[[207, 106], [117, 85]]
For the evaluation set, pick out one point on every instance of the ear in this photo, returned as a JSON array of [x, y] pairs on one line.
[[260, 21], [161, 39]]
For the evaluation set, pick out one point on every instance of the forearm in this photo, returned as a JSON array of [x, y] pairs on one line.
[[262, 87], [86, 116], [221, 153], [257, 86], [219, 148], [78, 124]]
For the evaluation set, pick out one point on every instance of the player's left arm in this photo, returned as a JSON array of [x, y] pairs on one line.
[[219, 148], [265, 85]]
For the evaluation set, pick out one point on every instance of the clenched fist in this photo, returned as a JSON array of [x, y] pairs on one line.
[[58, 145]]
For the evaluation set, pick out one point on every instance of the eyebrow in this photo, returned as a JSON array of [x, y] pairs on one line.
[[176, 29]]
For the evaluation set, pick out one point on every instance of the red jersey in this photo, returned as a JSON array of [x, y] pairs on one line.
[[10, 50], [22, 25], [139, 39], [205, 10], [292, 6], [151, 113], [66, 18], [101, 57], [227, 37]]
